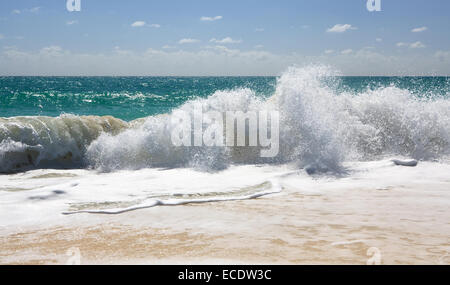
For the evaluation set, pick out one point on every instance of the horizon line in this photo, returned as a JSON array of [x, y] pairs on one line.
[[214, 76]]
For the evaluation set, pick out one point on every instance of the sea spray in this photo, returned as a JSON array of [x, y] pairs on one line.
[[321, 126], [310, 132]]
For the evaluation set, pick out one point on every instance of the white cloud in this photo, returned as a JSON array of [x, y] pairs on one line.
[[223, 49], [338, 28], [121, 52], [258, 46], [1, 37], [12, 53], [347, 51], [138, 24], [69, 23], [217, 60], [35, 9], [167, 47], [52, 51], [379, 40], [329, 51], [226, 40], [210, 19], [418, 30], [188, 41], [259, 30], [209, 61], [411, 45], [417, 45]]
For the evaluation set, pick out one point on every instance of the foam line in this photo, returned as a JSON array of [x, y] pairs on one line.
[[155, 203]]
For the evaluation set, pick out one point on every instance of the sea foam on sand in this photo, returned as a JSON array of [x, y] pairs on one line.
[[402, 211]]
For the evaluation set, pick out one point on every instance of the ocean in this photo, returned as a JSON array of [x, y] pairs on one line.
[[130, 98], [73, 145]]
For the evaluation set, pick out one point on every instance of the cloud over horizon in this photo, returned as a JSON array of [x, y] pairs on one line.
[[138, 24], [227, 40], [338, 28], [419, 30], [414, 45], [209, 61], [188, 41], [211, 19]]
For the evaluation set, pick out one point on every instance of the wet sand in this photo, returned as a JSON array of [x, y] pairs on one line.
[[355, 226]]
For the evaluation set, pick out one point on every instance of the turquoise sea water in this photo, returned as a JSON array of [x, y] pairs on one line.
[[130, 98], [126, 98]]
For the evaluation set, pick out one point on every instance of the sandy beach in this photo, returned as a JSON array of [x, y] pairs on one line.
[[405, 224]]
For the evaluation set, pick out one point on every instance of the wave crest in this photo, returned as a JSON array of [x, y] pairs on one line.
[[319, 127], [33, 142]]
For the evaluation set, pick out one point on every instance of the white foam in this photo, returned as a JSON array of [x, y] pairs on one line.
[[41, 196], [319, 128]]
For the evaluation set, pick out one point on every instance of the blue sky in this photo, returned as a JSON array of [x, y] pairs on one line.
[[207, 37]]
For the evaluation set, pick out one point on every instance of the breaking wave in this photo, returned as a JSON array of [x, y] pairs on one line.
[[319, 126]]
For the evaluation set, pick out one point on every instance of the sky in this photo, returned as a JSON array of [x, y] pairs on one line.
[[211, 37]]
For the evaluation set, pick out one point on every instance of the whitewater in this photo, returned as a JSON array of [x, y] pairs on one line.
[[55, 166]]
